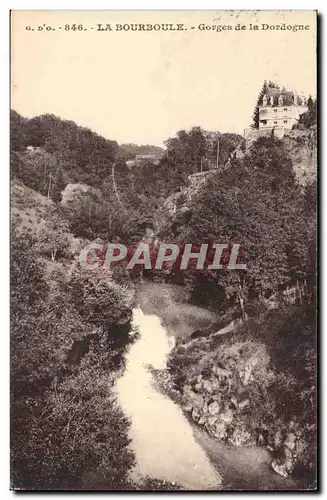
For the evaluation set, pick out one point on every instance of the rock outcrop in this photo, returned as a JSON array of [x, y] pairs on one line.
[[216, 402], [228, 392]]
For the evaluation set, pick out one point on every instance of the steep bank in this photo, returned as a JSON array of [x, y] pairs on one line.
[[301, 145], [244, 469], [157, 423], [237, 387]]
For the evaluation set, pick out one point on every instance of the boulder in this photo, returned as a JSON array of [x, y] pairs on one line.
[[205, 408], [191, 400], [213, 408], [220, 373], [191, 397], [182, 215], [279, 468], [215, 383], [187, 389], [202, 420], [290, 441], [219, 430], [283, 467], [187, 407], [207, 386], [243, 404], [227, 416], [234, 401], [212, 420], [241, 437], [196, 414], [247, 374], [215, 397]]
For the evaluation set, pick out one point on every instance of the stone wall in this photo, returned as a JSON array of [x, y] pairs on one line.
[[252, 134]]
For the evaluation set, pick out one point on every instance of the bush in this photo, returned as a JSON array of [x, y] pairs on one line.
[[67, 431]]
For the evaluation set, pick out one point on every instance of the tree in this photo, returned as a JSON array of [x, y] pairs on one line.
[[53, 236], [309, 118], [99, 300], [190, 150], [186, 149], [75, 153], [263, 91], [90, 214], [255, 116], [18, 132], [67, 431], [74, 435], [228, 143], [257, 204], [39, 170]]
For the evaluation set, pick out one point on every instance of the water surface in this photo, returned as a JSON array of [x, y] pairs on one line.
[[162, 437], [167, 445]]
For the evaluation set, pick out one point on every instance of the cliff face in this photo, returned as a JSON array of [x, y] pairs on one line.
[[301, 145], [232, 385], [176, 210], [229, 386]]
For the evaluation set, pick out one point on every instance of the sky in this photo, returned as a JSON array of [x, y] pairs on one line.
[[142, 87]]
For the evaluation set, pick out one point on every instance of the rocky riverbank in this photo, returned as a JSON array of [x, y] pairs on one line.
[[230, 388]]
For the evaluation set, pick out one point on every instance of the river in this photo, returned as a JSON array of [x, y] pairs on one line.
[[166, 444]]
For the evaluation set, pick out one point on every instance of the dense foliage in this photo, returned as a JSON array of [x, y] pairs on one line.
[[257, 204], [129, 151], [309, 118], [265, 86], [66, 429], [69, 329], [100, 194]]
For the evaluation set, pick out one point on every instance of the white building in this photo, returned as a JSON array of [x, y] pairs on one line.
[[139, 159], [280, 109]]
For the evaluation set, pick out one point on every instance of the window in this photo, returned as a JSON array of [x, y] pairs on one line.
[[275, 110], [264, 122], [275, 123], [285, 121], [285, 109]]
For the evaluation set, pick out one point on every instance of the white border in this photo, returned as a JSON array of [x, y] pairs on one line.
[[4, 172]]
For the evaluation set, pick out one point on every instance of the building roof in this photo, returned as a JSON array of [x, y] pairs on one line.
[[276, 92]]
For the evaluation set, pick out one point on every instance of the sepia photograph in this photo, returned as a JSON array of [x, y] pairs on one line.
[[163, 250]]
